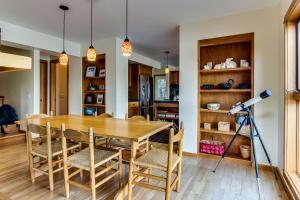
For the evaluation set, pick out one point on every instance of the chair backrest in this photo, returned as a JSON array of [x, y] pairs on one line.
[[79, 137], [73, 135], [104, 115], [42, 131], [139, 118], [175, 138]]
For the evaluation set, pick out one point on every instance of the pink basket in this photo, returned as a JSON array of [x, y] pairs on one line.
[[212, 147]]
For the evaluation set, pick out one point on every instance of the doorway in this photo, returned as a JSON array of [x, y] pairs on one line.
[[43, 86], [59, 88]]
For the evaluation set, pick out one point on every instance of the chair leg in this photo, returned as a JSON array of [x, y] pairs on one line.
[[168, 185], [130, 180], [32, 173], [50, 172], [93, 185], [120, 169], [66, 177], [81, 173], [179, 176]]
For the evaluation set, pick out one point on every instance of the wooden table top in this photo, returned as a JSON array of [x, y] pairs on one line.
[[107, 127]]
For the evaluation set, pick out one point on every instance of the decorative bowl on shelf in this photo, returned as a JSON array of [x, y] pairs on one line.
[[213, 106]]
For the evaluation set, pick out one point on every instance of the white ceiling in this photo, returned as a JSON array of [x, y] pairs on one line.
[[153, 24]]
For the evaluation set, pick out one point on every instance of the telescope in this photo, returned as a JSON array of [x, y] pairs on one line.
[[250, 102]]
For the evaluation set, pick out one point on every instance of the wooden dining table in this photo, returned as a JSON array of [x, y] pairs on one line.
[[131, 130]]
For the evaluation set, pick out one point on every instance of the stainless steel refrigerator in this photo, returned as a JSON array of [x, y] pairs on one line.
[[146, 95]]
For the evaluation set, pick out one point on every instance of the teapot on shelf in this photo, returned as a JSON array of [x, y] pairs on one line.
[[226, 86]]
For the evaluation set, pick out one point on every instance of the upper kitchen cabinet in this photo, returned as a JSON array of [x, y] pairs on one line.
[[174, 78]]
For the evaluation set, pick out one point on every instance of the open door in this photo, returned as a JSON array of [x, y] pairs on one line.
[[59, 88]]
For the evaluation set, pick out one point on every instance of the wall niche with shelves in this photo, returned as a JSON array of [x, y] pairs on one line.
[[217, 50]]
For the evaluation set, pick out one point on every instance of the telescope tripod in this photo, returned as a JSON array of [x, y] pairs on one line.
[[252, 136]]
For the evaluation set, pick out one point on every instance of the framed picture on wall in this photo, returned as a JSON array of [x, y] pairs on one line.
[[160, 87], [90, 71], [100, 98]]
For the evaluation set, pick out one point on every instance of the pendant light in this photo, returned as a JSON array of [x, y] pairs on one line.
[[91, 52], [126, 46], [63, 57], [167, 70]]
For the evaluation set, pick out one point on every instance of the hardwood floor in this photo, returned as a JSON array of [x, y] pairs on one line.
[[231, 182]]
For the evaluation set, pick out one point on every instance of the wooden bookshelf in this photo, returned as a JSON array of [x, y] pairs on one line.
[[216, 50], [97, 81]]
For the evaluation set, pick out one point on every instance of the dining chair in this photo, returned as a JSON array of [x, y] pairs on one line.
[[97, 161], [46, 157], [165, 161], [143, 146], [102, 141]]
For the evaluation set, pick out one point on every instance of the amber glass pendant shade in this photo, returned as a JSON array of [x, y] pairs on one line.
[[63, 59], [167, 70], [126, 48], [91, 54]]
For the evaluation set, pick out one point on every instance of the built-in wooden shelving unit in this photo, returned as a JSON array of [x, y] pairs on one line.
[[216, 50], [97, 81]]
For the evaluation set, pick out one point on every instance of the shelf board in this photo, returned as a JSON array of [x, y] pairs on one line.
[[96, 77], [226, 91], [229, 156], [223, 111], [217, 131], [95, 105], [94, 91], [239, 69]]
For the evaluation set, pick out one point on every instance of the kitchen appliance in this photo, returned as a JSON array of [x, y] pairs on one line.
[[174, 92], [146, 96]]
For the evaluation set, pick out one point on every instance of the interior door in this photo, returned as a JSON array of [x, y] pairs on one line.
[[59, 89], [43, 86]]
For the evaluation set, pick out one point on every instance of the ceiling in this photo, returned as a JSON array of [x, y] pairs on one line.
[[153, 24]]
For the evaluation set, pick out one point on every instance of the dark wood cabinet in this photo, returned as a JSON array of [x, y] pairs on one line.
[[174, 77]]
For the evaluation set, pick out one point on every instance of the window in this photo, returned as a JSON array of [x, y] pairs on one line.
[[292, 99], [161, 87]]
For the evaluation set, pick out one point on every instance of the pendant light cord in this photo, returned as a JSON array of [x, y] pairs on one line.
[[91, 22], [64, 30], [126, 19]]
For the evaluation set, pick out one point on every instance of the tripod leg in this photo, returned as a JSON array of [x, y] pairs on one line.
[[255, 160], [264, 148], [231, 142]]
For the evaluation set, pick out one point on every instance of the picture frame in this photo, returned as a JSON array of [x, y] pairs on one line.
[[90, 71], [102, 73], [100, 98], [90, 111], [89, 99]]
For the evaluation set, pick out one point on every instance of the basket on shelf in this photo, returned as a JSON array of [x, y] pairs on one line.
[[245, 129], [212, 147]]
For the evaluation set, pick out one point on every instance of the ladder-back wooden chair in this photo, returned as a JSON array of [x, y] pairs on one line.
[[45, 158], [102, 164], [143, 146], [102, 141], [163, 160]]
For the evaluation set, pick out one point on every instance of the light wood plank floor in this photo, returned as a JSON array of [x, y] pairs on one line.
[[231, 182]]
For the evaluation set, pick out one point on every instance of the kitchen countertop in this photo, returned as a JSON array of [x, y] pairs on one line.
[[166, 101]]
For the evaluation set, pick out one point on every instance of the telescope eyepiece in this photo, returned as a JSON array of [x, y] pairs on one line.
[[265, 94]]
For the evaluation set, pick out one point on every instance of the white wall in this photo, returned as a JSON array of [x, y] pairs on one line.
[[264, 23], [23, 36], [75, 85], [21, 88]]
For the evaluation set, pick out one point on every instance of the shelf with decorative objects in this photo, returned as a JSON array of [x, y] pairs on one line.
[[93, 85], [223, 83]]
